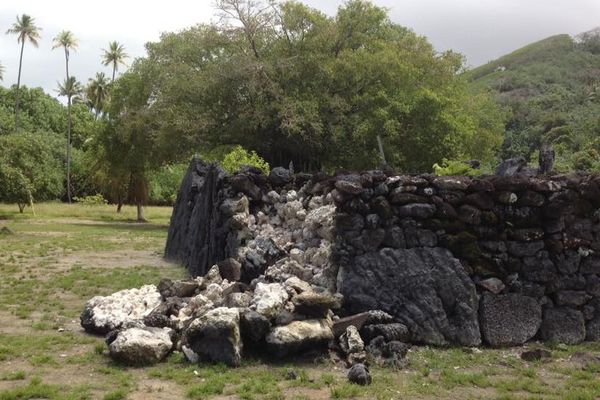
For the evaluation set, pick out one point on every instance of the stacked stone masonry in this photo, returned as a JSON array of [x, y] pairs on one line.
[[456, 260]]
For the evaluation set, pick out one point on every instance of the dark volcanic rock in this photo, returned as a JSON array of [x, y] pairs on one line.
[[393, 331], [360, 375], [279, 176], [563, 325], [511, 166], [254, 326], [536, 355], [426, 289], [215, 336], [509, 319], [417, 210], [198, 233]]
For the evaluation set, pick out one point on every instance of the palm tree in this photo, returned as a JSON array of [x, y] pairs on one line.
[[68, 42], [114, 56], [97, 93], [1, 72], [72, 89], [25, 30]]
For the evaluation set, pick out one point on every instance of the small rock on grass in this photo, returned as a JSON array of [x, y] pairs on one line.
[[536, 355], [359, 374]]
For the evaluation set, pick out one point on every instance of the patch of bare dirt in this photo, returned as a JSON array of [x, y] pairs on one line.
[[112, 259]]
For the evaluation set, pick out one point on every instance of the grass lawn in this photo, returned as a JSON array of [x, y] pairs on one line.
[[52, 263]]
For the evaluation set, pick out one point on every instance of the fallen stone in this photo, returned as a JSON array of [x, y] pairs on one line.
[[391, 331], [141, 346], [315, 304], [494, 285], [351, 342], [269, 299], [299, 335], [254, 326], [103, 314], [360, 375], [536, 355], [215, 336]]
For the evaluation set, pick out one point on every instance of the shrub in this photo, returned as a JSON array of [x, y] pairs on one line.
[[453, 167], [93, 200], [239, 157], [165, 183]]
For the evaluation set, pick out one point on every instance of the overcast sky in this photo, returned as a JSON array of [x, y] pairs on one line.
[[480, 29]]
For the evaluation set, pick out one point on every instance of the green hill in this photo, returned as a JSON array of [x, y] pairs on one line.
[[552, 91]]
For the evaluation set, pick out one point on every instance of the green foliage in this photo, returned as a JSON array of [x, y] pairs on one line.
[[453, 167], [165, 182], [316, 90], [92, 200], [30, 167], [550, 88], [239, 157]]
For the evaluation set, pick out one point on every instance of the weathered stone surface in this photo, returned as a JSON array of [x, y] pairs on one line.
[[360, 375], [417, 210], [389, 331], [198, 233], [215, 336], [103, 314], [169, 288], [141, 346], [254, 326], [351, 342], [269, 299], [315, 304], [509, 319], [493, 285], [299, 335], [426, 289], [592, 330], [563, 325], [280, 176]]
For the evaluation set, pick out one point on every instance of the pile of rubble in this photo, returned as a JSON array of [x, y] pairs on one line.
[[214, 319]]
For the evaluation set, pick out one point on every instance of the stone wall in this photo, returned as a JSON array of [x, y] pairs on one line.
[[494, 260]]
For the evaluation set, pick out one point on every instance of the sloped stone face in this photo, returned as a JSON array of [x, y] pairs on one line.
[[426, 289], [509, 319], [103, 314]]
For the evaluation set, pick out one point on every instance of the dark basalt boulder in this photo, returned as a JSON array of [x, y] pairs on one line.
[[509, 319], [360, 375], [392, 331], [563, 325], [426, 289], [280, 176]]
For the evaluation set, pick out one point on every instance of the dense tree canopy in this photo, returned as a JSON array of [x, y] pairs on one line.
[[296, 85]]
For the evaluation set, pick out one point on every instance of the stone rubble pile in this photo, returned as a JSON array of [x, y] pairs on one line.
[[213, 319]]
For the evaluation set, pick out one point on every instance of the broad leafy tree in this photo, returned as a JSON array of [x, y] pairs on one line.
[[296, 85], [26, 31], [67, 41], [114, 56]]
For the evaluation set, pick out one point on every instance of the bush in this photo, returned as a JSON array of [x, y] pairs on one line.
[[453, 167], [165, 183], [239, 157], [93, 200]]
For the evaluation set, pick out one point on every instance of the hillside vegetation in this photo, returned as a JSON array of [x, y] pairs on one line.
[[552, 89]]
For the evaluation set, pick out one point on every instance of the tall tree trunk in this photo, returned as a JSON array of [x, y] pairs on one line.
[[113, 75], [119, 202], [140, 212], [69, 149], [18, 86], [68, 130]]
